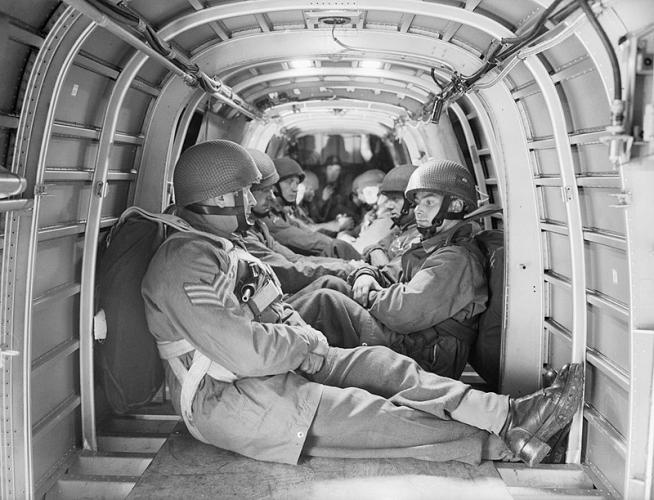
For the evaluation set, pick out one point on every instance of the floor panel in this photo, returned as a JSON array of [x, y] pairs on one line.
[[186, 468]]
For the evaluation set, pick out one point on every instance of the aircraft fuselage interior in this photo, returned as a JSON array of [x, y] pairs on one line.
[[549, 104]]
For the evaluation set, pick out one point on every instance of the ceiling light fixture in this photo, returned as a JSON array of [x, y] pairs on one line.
[[335, 20]]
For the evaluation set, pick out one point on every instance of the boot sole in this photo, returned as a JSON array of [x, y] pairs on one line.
[[536, 448]]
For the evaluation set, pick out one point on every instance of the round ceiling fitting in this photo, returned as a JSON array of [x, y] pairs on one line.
[[335, 20]]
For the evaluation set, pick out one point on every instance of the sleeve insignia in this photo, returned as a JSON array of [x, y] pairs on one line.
[[217, 293]]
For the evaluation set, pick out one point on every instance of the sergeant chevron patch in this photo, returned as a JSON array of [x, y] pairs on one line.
[[217, 293]]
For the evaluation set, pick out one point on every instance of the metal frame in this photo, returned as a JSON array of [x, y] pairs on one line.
[[523, 313], [36, 120], [575, 235], [639, 481]]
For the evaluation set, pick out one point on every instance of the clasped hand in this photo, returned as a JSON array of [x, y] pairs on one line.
[[315, 359], [362, 287]]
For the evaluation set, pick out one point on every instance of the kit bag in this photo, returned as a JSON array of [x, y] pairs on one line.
[[131, 372], [485, 354]]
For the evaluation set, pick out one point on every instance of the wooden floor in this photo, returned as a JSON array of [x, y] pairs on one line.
[[186, 468]]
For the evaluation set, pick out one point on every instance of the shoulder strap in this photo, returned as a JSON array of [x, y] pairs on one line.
[[173, 222], [480, 213]]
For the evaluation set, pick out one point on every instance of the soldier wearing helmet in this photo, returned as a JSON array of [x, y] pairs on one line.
[[429, 310], [247, 374], [290, 231], [442, 192], [294, 271], [388, 251]]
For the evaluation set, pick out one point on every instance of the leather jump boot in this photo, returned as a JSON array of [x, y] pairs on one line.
[[532, 420]]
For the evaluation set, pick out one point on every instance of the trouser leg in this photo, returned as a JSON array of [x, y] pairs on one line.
[[353, 423], [324, 282], [342, 320], [399, 379], [343, 250]]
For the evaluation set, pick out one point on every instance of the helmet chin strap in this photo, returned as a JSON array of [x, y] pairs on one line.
[[439, 218], [278, 193], [403, 218], [243, 222]]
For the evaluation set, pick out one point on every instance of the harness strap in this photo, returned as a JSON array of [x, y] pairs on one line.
[[190, 379]]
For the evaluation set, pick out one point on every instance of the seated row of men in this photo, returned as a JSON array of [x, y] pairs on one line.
[[273, 354]]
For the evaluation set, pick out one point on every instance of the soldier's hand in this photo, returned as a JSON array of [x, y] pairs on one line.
[[312, 363], [362, 287], [378, 258], [344, 222]]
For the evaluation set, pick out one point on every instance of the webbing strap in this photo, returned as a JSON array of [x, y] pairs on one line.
[[190, 379], [174, 348]]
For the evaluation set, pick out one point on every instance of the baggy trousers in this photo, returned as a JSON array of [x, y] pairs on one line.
[[326, 305], [377, 403]]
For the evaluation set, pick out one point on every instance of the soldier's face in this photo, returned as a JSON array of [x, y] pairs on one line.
[[394, 204], [427, 206], [288, 187], [332, 172], [264, 198]]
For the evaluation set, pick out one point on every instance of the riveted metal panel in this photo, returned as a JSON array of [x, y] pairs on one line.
[[153, 73], [123, 157], [562, 54], [34, 13], [53, 386], [535, 110], [558, 252], [552, 208], [608, 333], [519, 76], [71, 152], [13, 60], [558, 350], [608, 398], [592, 158], [197, 37], [53, 324], [422, 24], [597, 212], [64, 202], [242, 23], [160, 11], [79, 154], [133, 112], [52, 448], [488, 166], [103, 46], [57, 263], [585, 113], [607, 271], [69, 202], [511, 11], [83, 97], [560, 305], [602, 456], [546, 162], [286, 17], [472, 38]]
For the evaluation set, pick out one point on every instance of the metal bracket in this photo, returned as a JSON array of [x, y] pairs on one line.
[[623, 199], [619, 148], [568, 193], [6, 353], [101, 189]]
